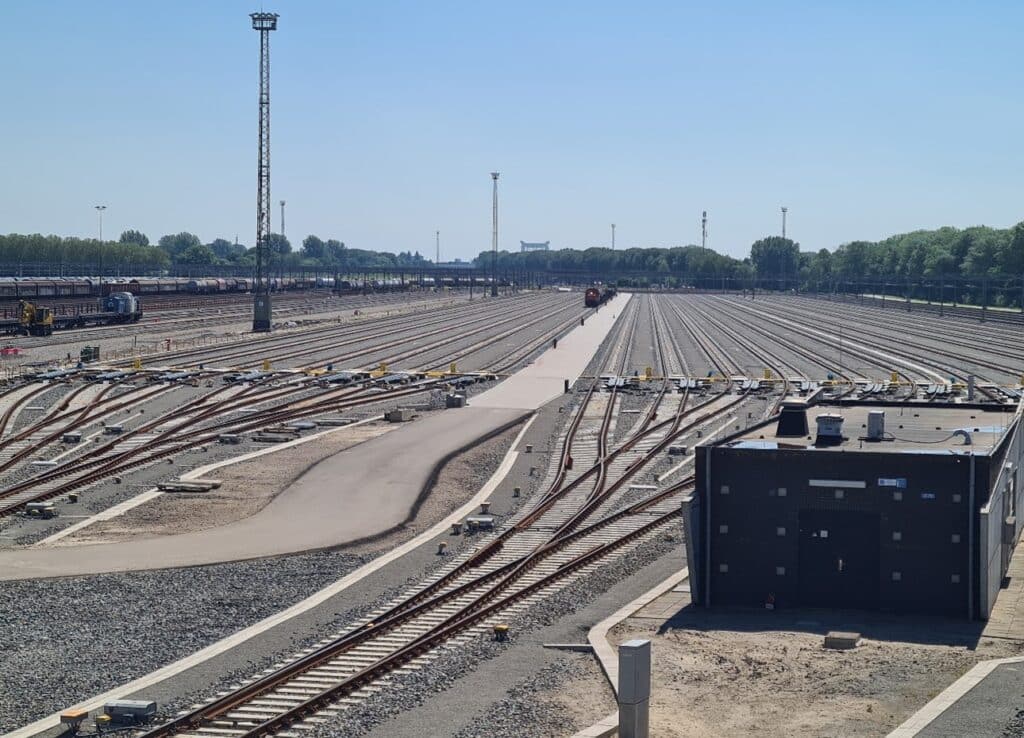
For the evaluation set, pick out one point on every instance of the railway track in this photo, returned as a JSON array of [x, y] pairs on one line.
[[318, 347], [590, 510], [581, 520], [916, 361], [179, 430], [184, 319], [908, 331]]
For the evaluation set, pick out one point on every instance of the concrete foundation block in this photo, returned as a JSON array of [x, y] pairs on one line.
[[841, 640]]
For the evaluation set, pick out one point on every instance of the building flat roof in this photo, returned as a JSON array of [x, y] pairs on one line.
[[911, 428]]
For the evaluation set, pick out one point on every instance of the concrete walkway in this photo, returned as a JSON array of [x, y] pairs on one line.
[[358, 493]]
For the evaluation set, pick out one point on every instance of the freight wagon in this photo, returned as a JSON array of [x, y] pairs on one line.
[[597, 295]]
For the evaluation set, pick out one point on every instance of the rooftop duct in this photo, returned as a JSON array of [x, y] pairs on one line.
[[876, 425], [830, 429]]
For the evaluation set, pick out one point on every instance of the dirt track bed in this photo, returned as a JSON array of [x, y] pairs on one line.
[[733, 674]]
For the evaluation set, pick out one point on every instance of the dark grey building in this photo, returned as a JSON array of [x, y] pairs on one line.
[[901, 508]]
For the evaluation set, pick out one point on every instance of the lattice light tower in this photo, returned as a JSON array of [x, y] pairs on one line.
[[261, 315]]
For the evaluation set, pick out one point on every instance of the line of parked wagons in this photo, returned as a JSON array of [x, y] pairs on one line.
[[18, 289]]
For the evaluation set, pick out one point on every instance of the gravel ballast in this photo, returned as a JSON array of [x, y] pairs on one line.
[[62, 640]]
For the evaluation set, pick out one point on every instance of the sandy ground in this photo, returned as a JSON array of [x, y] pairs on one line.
[[457, 481], [247, 487], [734, 674]]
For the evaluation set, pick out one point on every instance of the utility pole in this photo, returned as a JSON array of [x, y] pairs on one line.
[[494, 242], [704, 230], [437, 259], [264, 23], [613, 236], [280, 257], [783, 254], [99, 210]]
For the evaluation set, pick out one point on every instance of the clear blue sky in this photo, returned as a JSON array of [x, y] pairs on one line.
[[865, 118]]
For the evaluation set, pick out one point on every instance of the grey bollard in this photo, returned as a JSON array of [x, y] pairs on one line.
[[634, 688], [566, 391]]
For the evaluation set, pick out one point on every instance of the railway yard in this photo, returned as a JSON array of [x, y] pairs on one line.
[[374, 518]]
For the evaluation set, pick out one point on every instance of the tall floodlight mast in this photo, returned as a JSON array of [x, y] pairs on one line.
[[494, 243], [264, 23]]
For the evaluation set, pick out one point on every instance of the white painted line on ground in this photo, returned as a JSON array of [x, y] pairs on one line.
[[153, 492], [607, 656], [232, 641]]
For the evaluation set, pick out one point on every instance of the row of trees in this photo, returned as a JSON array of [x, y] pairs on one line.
[[678, 260], [70, 252], [978, 253], [134, 250], [186, 248]]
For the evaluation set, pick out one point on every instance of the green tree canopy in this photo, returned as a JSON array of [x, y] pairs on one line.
[[175, 245], [226, 250], [197, 254], [279, 244], [313, 247], [775, 256], [334, 251], [136, 237]]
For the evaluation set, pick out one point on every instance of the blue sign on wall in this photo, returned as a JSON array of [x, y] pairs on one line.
[[900, 483]]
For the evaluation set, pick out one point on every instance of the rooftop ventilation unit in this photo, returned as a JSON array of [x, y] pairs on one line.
[[830, 429], [792, 420], [876, 425]]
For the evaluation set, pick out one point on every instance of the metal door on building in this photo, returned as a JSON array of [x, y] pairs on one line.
[[838, 559]]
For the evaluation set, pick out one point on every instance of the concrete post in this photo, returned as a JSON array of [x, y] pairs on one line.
[[634, 688]]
